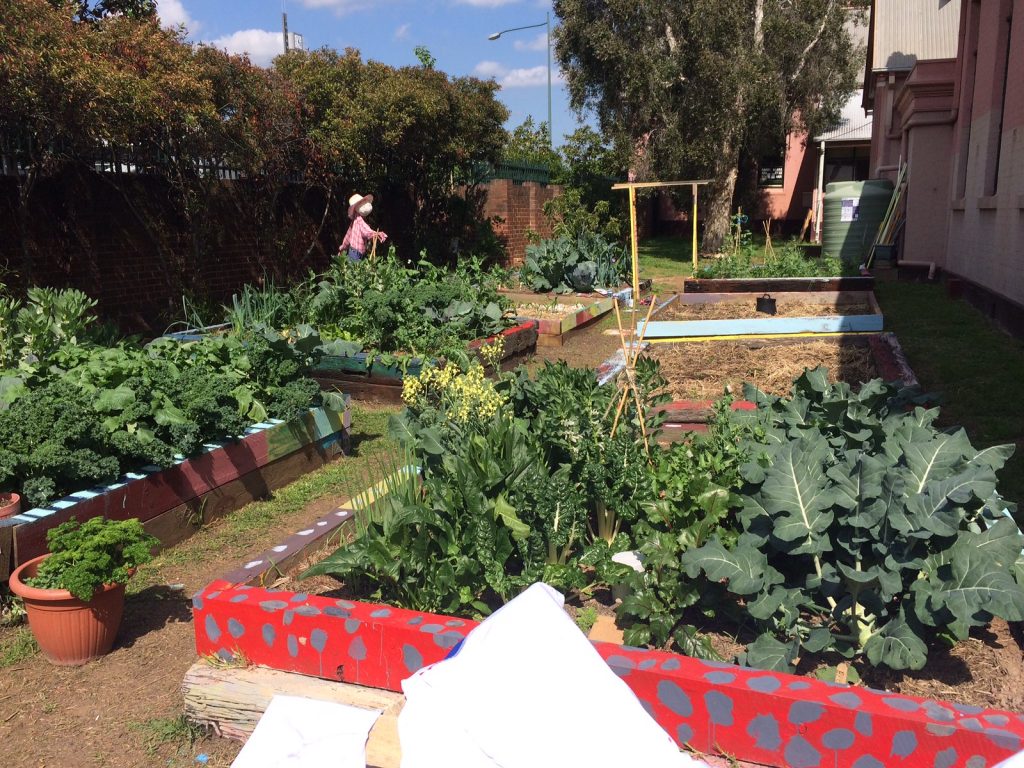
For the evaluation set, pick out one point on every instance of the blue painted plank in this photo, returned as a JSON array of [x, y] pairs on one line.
[[770, 325]]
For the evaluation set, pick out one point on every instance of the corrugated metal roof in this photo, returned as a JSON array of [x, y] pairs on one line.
[[853, 124], [907, 31]]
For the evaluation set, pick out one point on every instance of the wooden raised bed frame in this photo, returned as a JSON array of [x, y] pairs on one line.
[[763, 717], [777, 284], [692, 415], [766, 326], [380, 382], [173, 502], [552, 333]]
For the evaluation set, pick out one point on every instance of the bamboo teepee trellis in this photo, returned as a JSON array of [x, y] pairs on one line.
[[626, 378]]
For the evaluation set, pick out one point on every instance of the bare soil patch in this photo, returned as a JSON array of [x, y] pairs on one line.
[[704, 370]]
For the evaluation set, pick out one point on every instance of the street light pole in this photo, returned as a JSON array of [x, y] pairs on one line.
[[547, 26]]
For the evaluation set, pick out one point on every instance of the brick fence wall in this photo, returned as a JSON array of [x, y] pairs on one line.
[[519, 209], [123, 240], [127, 245]]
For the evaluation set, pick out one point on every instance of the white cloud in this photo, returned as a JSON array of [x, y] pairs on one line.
[[259, 44], [402, 33], [340, 7], [489, 69], [173, 14], [539, 43], [526, 77], [521, 77]]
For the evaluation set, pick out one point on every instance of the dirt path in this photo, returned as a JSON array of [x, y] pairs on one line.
[[124, 710]]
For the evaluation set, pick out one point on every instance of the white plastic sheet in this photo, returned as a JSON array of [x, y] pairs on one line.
[[526, 690], [296, 731]]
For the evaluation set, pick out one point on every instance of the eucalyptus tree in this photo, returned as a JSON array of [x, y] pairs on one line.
[[687, 85]]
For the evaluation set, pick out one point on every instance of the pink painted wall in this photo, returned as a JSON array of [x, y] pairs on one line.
[[986, 227], [792, 200]]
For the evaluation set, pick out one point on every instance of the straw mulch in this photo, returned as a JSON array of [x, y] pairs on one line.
[[747, 309], [703, 370], [547, 311]]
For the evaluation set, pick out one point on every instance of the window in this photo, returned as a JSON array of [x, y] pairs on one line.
[[771, 169]]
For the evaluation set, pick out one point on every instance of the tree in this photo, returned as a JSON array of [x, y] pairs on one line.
[[687, 84], [530, 143], [401, 133]]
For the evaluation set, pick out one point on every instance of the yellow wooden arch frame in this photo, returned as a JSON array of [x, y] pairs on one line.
[[633, 186]]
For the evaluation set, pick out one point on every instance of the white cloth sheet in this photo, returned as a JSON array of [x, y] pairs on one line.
[[528, 690], [296, 731]]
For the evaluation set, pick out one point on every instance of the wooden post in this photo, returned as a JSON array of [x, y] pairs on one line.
[[635, 246], [694, 229], [231, 702]]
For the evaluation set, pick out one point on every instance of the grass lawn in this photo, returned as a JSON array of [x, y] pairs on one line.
[[975, 368], [666, 261]]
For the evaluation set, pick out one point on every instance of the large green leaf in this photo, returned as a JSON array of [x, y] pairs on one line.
[[767, 652], [745, 569], [932, 458], [116, 399], [897, 646], [506, 513], [977, 584], [799, 496]]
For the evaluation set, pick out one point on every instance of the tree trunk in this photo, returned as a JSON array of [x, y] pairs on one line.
[[719, 208]]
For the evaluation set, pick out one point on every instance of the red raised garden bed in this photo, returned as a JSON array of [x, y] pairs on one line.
[[762, 717], [172, 502]]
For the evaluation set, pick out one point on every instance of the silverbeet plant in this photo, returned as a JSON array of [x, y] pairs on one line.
[[865, 531]]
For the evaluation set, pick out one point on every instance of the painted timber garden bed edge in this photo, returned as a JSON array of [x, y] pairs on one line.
[[765, 325], [762, 284], [172, 500], [774, 719], [382, 381]]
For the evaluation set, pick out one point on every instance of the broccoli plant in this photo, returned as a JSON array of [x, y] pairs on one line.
[[864, 531]]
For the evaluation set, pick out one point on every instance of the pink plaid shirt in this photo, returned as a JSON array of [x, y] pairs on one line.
[[358, 233]]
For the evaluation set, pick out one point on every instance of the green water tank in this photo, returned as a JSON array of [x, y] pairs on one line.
[[853, 213]]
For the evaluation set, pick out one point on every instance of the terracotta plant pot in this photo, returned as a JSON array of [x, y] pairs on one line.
[[10, 505], [68, 630]]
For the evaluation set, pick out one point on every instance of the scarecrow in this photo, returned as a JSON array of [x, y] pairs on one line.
[[359, 232]]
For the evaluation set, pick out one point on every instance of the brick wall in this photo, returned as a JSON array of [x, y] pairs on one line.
[[519, 209]]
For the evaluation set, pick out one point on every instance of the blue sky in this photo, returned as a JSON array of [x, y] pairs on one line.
[[455, 31]]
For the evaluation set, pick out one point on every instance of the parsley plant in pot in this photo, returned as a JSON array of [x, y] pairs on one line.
[[74, 596], [10, 504]]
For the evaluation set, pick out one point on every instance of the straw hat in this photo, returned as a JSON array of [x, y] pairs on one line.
[[355, 202]]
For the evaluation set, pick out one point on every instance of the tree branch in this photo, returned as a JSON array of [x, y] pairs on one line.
[[815, 40]]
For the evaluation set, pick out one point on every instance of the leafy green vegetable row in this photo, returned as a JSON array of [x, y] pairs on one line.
[[575, 263], [79, 409], [384, 306]]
